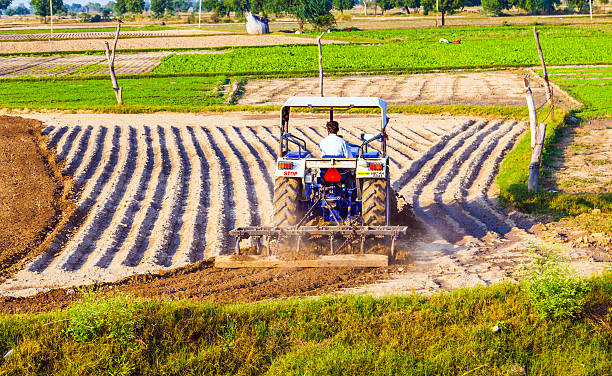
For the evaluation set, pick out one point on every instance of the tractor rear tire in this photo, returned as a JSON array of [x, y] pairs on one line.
[[374, 202], [286, 201]]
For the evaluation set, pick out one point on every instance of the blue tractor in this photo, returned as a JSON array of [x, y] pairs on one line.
[[344, 199]]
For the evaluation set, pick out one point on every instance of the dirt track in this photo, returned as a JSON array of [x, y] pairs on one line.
[[154, 197]]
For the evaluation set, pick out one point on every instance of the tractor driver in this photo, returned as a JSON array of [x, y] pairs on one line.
[[334, 145]]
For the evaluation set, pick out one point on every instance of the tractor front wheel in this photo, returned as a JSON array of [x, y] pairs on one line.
[[374, 202], [286, 201]]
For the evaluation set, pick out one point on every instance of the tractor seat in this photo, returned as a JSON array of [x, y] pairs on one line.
[[354, 149], [332, 156], [296, 154], [371, 154]]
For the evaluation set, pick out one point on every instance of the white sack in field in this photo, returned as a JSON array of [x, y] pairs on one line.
[[256, 24]]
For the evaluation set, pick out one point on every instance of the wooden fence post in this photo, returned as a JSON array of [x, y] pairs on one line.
[[110, 56], [533, 117], [320, 62], [549, 94], [537, 138], [536, 157]]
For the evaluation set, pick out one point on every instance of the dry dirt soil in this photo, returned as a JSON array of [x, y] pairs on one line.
[[585, 165], [171, 42], [487, 88], [107, 34], [151, 197], [155, 192], [58, 65], [31, 192], [201, 281], [15, 66]]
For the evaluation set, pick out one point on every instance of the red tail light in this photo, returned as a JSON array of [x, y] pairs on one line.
[[285, 165], [376, 166], [332, 176]]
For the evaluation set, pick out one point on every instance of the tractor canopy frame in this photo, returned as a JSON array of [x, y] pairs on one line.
[[330, 104]]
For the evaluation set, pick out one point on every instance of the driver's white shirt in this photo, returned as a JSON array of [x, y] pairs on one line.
[[335, 145]]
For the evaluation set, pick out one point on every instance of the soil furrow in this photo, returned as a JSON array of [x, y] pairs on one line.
[[94, 158], [265, 192], [416, 165], [479, 191], [184, 215], [168, 222], [65, 145], [478, 164], [447, 185], [154, 198], [249, 214], [221, 215], [85, 242], [76, 154], [201, 192], [88, 198], [56, 137], [260, 138], [419, 193], [142, 241], [117, 232]]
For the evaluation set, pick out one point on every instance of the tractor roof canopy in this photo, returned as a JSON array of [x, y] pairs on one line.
[[338, 103]]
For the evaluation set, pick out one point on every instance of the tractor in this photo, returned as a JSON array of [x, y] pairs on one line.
[[346, 200]]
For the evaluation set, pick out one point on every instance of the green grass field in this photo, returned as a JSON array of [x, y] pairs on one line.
[[146, 94], [590, 85], [410, 51], [443, 334]]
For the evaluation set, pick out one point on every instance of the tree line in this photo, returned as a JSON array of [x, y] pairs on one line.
[[315, 12]]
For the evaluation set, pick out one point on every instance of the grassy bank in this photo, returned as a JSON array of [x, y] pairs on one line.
[[514, 173], [480, 331], [593, 87]]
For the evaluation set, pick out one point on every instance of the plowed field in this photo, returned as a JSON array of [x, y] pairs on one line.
[[475, 88], [155, 197]]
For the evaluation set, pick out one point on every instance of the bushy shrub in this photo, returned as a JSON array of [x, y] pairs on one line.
[[117, 318], [555, 289]]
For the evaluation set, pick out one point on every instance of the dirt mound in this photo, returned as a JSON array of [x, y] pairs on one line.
[[32, 193], [200, 281]]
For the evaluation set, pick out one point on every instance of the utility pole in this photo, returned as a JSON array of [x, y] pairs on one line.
[[51, 11], [591, 9], [320, 63], [437, 1], [200, 15]]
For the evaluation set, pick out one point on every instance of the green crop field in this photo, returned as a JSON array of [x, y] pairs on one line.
[[590, 85], [416, 50], [464, 33], [150, 94]]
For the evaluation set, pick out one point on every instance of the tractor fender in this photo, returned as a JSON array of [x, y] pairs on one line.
[[290, 168], [371, 168]]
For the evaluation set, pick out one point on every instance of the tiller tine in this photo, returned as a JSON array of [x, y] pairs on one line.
[[297, 234]]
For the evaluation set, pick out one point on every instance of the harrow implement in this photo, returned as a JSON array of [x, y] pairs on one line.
[[351, 252]]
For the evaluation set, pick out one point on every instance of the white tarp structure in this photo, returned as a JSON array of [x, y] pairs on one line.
[[256, 24]]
